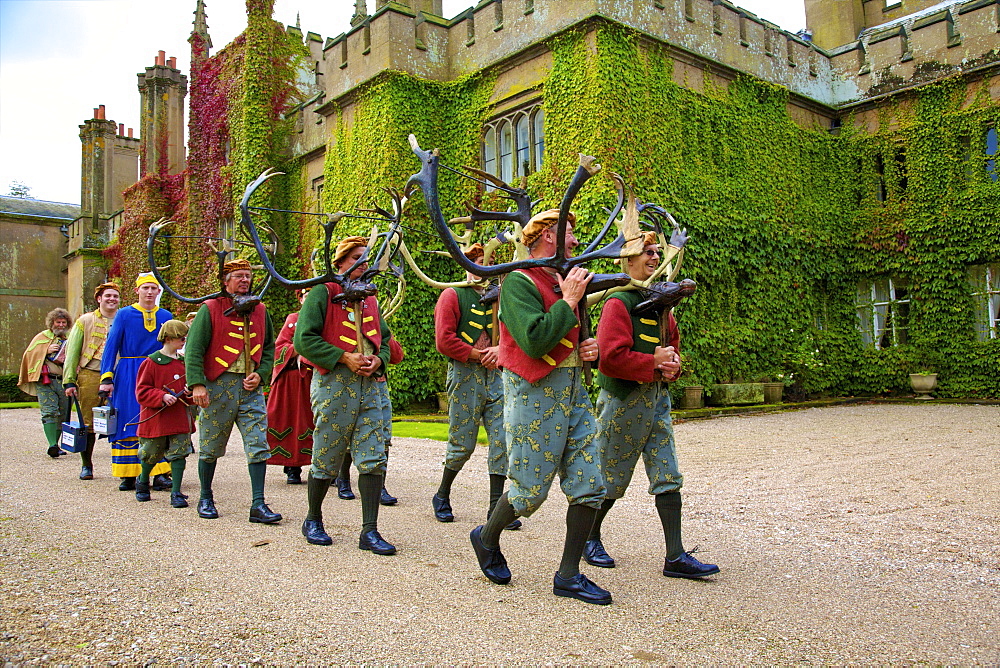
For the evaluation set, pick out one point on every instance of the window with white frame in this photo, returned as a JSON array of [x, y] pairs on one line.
[[984, 283], [227, 230], [514, 143], [883, 311]]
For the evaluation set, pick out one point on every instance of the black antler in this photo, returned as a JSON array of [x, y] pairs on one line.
[[427, 180], [227, 246], [353, 289]]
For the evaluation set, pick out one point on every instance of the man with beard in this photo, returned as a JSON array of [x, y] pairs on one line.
[[84, 350], [229, 349], [42, 371], [132, 338]]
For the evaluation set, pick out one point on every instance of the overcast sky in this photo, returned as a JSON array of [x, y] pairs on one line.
[[61, 58]]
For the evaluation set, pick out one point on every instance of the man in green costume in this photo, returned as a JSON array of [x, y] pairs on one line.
[[348, 346], [463, 331], [547, 412], [639, 356], [227, 354]]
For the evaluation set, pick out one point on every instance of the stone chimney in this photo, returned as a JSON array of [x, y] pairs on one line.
[[163, 89]]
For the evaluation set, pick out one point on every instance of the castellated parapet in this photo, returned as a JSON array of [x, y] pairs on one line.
[[940, 40], [712, 35]]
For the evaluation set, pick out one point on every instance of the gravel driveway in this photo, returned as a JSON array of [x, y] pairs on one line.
[[852, 534]]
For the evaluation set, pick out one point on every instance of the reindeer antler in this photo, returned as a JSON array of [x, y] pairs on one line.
[[427, 180], [353, 289]]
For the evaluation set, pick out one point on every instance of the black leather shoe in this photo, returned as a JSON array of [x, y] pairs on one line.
[[206, 509], [178, 500], [686, 566], [373, 541], [344, 488], [261, 514], [294, 475], [142, 491], [86, 473], [161, 483], [127, 485], [513, 526], [579, 587], [387, 499], [54, 451], [315, 533], [442, 509], [595, 555], [491, 562]]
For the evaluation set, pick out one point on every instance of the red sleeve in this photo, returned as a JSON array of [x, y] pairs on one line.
[[284, 350], [147, 391], [396, 352], [446, 314], [614, 341]]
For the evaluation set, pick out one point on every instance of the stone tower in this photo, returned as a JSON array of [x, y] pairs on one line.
[[109, 166], [163, 90]]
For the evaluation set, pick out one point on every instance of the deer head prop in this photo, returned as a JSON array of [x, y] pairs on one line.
[[655, 217], [354, 289], [427, 180], [242, 304]]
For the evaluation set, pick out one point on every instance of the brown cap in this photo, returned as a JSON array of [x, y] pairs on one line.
[[172, 329], [650, 238], [541, 222], [105, 286], [475, 251], [346, 245], [239, 264]]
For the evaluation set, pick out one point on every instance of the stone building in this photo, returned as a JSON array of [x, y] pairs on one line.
[[32, 270]]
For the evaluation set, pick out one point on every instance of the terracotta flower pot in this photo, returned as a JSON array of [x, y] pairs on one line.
[[694, 396]]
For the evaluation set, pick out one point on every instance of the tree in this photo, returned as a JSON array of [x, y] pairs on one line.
[[18, 189]]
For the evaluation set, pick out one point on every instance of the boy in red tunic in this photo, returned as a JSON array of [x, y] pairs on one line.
[[165, 424]]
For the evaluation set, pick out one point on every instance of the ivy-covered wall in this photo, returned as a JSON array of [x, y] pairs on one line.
[[237, 128], [784, 220]]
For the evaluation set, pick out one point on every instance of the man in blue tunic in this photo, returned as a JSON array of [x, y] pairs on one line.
[[131, 340]]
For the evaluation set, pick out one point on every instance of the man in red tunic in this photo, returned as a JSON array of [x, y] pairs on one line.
[[289, 415], [463, 331], [639, 356], [228, 352]]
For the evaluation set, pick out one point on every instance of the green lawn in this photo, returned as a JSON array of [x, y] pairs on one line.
[[20, 404], [437, 431]]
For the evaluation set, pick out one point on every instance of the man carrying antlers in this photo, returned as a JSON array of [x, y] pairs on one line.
[[547, 411], [463, 331], [229, 349], [348, 345]]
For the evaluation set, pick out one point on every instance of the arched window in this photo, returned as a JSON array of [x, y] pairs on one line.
[[514, 143], [490, 151], [538, 124], [523, 147], [506, 152]]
